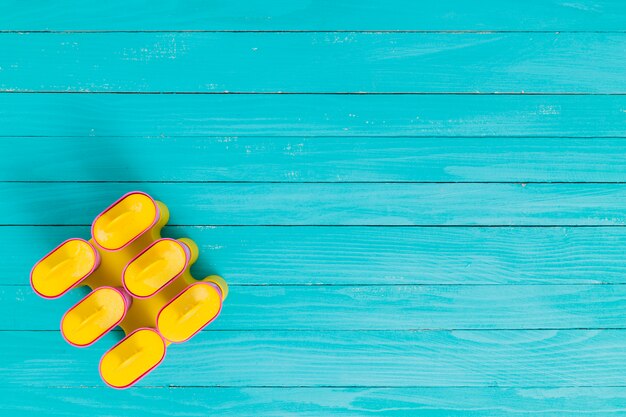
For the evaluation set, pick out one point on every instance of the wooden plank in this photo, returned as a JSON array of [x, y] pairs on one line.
[[255, 401], [314, 62], [403, 307], [310, 115], [513, 358], [326, 204], [315, 15], [369, 255], [306, 159]]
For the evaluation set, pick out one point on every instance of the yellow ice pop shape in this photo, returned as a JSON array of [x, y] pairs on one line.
[[93, 316], [190, 311], [63, 268], [132, 358], [154, 268], [124, 221]]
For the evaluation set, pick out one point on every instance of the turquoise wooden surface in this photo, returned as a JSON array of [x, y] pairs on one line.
[[419, 205], [320, 15], [304, 401], [316, 159], [338, 204], [414, 115], [314, 62], [349, 307], [357, 255], [353, 358]]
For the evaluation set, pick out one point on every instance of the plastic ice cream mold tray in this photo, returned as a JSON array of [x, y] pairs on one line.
[[139, 281]]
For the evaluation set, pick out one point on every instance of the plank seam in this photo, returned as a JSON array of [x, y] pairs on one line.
[[304, 285], [325, 330], [310, 136], [313, 387], [328, 31], [318, 93], [305, 182], [565, 225]]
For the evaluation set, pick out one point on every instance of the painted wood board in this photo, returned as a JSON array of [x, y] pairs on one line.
[[459, 358], [418, 204], [315, 62], [549, 15], [306, 401], [132, 115], [314, 159], [391, 307], [370, 255]]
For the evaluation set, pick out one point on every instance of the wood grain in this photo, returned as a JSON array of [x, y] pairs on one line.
[[398, 307], [512, 358], [327, 204], [315, 62], [548, 15], [269, 401], [369, 255], [310, 115], [307, 159]]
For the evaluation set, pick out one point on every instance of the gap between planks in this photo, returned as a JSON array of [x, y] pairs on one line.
[[371, 31], [315, 93]]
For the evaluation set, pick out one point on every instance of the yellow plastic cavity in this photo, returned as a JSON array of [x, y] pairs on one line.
[[63, 268], [154, 268], [134, 275], [132, 358], [93, 316], [124, 221], [189, 311]]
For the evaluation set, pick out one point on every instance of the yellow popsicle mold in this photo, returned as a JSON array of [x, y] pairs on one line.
[[132, 358], [124, 221], [93, 316], [63, 268], [155, 267], [139, 281], [190, 311]]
